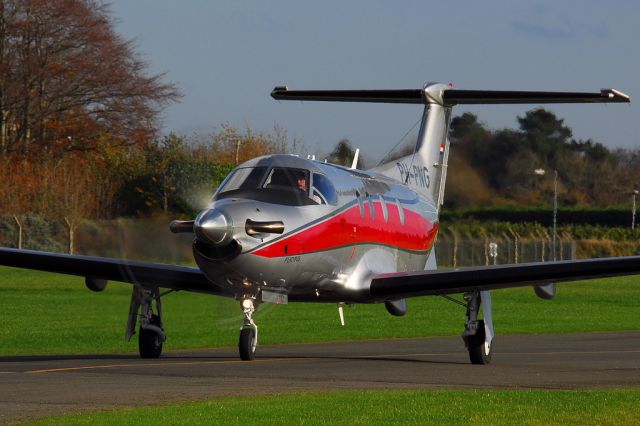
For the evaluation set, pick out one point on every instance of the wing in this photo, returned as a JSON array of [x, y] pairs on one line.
[[147, 274], [448, 281]]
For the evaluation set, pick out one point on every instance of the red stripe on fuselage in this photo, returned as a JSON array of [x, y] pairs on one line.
[[349, 227]]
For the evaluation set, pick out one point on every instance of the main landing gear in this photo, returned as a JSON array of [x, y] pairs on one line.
[[478, 334], [249, 330], [151, 334]]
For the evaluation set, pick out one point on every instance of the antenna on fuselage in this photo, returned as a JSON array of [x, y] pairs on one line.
[[354, 164]]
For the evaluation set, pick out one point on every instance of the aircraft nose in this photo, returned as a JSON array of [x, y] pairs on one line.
[[213, 227]]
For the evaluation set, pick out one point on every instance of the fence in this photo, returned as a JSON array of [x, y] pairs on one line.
[[122, 238], [456, 251]]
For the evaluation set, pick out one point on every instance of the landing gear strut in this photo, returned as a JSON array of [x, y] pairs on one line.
[[249, 330], [151, 333], [478, 334]]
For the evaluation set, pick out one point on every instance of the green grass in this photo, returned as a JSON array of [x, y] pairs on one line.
[[388, 407], [43, 313]]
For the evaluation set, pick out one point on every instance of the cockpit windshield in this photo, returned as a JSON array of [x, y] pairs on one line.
[[244, 178], [288, 178], [278, 185]]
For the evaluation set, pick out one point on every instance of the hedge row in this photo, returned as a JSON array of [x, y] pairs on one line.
[[610, 217]]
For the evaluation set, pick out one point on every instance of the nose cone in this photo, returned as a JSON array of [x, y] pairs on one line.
[[213, 227]]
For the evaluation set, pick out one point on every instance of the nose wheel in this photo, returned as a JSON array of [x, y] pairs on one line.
[[247, 344], [248, 332]]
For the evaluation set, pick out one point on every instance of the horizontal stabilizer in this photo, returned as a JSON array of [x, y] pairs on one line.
[[444, 95], [456, 97], [402, 96]]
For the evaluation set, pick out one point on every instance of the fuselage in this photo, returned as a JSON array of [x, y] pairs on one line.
[[311, 230]]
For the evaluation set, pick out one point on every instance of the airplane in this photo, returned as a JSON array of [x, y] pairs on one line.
[[282, 229]]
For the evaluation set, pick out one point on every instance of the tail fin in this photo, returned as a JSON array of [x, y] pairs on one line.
[[425, 170]]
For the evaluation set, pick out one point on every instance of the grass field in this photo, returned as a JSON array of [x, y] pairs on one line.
[[44, 313], [615, 407]]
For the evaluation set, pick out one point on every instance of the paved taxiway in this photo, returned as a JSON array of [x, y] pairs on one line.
[[40, 385]]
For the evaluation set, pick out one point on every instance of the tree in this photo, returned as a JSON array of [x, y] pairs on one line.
[[232, 146], [545, 133], [67, 79], [343, 153], [467, 129]]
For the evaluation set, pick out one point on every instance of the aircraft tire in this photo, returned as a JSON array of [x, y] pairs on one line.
[[247, 344], [149, 342], [476, 347]]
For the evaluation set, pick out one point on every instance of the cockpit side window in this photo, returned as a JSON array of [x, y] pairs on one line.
[[323, 190], [244, 178]]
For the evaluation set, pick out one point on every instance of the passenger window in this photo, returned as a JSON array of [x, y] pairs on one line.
[[324, 189]]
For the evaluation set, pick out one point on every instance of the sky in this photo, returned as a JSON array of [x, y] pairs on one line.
[[227, 56]]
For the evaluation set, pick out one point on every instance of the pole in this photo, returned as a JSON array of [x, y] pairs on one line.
[[237, 150], [19, 231], [555, 213], [633, 209]]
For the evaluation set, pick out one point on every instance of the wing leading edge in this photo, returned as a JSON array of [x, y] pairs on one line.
[[147, 274], [449, 281]]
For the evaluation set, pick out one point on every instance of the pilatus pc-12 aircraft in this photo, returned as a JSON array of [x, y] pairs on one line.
[[285, 229]]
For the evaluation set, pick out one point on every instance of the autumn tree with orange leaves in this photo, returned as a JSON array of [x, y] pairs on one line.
[[68, 80], [73, 95]]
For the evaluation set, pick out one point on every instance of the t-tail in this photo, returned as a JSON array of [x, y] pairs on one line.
[[425, 170]]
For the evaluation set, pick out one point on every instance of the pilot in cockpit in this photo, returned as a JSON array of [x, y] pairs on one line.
[[302, 184]]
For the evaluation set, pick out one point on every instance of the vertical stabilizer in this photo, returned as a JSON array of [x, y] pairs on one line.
[[425, 170]]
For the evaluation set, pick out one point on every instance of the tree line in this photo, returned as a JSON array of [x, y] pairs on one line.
[[174, 175], [516, 166]]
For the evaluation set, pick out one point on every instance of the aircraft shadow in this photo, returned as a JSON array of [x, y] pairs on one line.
[[178, 357], [372, 359], [37, 358]]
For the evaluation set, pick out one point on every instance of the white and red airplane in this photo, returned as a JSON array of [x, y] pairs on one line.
[[283, 229]]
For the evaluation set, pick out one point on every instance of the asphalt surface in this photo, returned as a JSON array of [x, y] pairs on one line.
[[35, 386]]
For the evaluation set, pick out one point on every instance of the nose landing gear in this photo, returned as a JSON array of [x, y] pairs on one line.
[[249, 330]]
